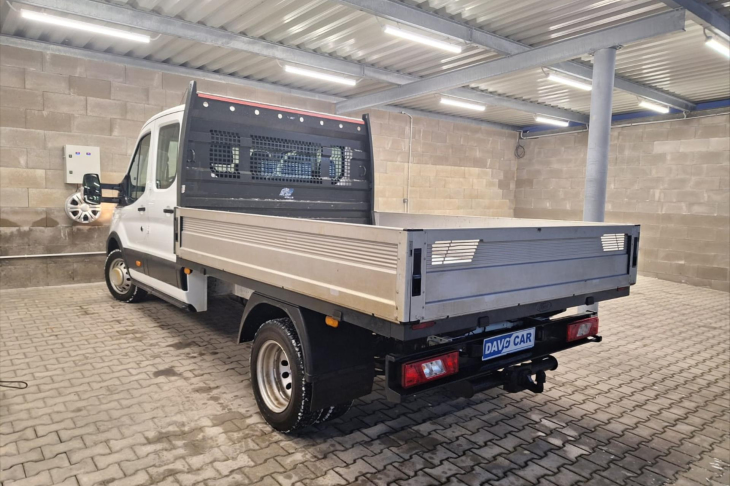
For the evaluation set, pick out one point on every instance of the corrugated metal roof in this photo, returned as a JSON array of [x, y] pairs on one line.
[[677, 63]]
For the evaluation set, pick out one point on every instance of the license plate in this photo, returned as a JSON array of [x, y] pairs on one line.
[[508, 343]]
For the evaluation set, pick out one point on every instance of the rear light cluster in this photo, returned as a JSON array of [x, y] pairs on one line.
[[418, 372], [582, 329]]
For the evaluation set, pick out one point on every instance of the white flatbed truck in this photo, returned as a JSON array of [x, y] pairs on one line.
[[277, 204]]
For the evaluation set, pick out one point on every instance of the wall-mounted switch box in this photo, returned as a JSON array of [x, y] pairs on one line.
[[80, 160]]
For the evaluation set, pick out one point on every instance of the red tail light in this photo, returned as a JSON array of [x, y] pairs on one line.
[[582, 329], [417, 372]]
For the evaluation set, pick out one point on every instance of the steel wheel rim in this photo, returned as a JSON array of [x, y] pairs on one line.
[[273, 372], [119, 276]]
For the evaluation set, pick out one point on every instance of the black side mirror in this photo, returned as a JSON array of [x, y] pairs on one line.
[[92, 189]]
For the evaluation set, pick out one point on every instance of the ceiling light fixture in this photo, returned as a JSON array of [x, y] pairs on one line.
[[422, 39], [654, 107], [551, 121], [462, 104], [320, 75], [718, 46], [85, 26], [556, 78]]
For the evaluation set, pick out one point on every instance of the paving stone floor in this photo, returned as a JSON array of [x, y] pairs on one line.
[[124, 394]]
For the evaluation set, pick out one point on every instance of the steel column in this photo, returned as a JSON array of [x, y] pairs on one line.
[[599, 138], [599, 135]]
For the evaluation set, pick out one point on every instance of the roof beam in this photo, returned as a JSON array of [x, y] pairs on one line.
[[35, 45], [170, 26], [704, 15], [549, 54], [81, 53], [448, 118], [421, 19], [208, 35]]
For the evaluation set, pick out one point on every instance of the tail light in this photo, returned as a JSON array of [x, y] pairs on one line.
[[582, 329], [418, 372]]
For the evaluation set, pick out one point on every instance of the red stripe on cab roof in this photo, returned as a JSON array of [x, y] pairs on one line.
[[281, 108]]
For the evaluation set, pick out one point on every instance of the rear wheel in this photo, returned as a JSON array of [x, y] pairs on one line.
[[277, 377], [118, 280]]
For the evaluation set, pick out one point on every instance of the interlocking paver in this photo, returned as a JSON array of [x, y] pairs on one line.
[[148, 394]]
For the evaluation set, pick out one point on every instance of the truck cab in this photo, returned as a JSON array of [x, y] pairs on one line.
[[142, 225]]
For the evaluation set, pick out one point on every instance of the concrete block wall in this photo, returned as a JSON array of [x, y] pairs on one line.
[[455, 168], [48, 101], [672, 178]]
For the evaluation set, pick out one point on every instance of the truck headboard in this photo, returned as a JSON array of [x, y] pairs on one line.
[[250, 157]]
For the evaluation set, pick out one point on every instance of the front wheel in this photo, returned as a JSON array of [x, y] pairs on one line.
[[277, 377], [118, 280]]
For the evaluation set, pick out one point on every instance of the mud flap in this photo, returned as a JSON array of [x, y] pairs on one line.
[[341, 361]]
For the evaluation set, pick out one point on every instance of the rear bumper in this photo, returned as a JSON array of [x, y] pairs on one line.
[[512, 371]]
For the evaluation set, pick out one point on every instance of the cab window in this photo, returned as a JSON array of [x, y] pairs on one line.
[[167, 144], [137, 177]]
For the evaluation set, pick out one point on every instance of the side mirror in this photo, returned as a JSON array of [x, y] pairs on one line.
[[92, 189]]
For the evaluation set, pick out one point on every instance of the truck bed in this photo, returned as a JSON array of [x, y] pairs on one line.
[[413, 267]]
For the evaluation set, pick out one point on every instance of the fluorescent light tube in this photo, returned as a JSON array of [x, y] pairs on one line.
[[462, 104], [569, 82], [718, 46], [320, 75], [422, 39], [551, 121], [654, 107], [85, 26]]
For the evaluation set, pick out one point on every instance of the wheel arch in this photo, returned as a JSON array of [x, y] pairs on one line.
[[113, 242], [255, 315]]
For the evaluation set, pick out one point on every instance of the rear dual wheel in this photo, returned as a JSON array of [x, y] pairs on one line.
[[277, 376]]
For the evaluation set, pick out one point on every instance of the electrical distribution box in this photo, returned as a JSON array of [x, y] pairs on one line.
[[80, 160]]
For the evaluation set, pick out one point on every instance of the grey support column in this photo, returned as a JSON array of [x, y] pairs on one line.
[[599, 137]]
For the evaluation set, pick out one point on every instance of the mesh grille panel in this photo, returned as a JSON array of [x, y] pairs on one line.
[[278, 159], [340, 165], [225, 149]]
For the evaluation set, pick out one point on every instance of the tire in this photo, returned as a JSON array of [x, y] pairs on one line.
[[332, 413], [123, 290], [277, 377]]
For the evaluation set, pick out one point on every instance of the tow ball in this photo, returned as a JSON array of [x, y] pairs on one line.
[[518, 378], [513, 379], [521, 379]]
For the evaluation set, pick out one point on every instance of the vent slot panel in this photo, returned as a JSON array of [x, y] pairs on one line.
[[453, 251], [462, 254], [613, 242]]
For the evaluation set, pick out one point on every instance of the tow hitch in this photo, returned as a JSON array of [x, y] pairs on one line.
[[513, 379]]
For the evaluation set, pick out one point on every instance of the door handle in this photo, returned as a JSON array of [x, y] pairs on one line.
[[168, 211], [141, 209]]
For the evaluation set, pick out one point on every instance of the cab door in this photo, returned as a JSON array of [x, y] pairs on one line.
[[163, 199], [133, 214]]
